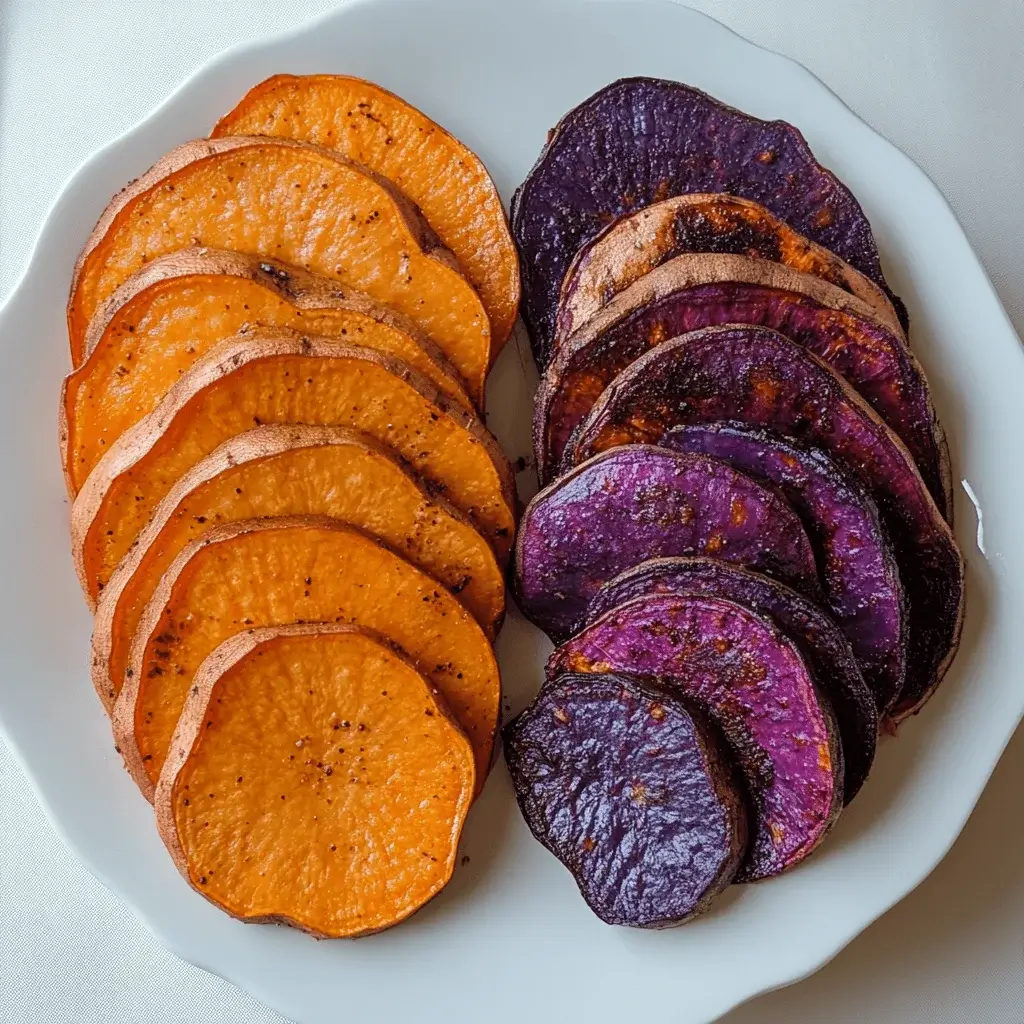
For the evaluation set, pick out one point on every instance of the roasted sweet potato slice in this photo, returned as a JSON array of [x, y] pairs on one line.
[[858, 571], [273, 813], [638, 502], [700, 222], [816, 636], [641, 140], [443, 177], [754, 682], [174, 310], [297, 203], [692, 292], [756, 376], [634, 791], [283, 377], [292, 470], [270, 572]]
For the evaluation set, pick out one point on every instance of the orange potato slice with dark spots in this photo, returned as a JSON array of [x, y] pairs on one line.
[[300, 204], [273, 813]]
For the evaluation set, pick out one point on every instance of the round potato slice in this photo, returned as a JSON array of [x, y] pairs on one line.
[[270, 572], [292, 470], [297, 203], [700, 223], [634, 791], [315, 779], [284, 377], [177, 308], [444, 178]]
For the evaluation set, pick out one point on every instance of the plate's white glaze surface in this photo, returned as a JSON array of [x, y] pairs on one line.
[[510, 939]]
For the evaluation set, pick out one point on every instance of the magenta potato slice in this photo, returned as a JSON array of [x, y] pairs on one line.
[[756, 686], [823, 646], [692, 292], [634, 791], [758, 377], [858, 572], [640, 502], [699, 223], [642, 140]]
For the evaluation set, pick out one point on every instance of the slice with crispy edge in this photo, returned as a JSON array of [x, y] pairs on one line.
[[292, 470], [692, 292], [443, 177], [283, 377], [699, 223], [271, 818], [254, 573], [174, 310], [297, 203]]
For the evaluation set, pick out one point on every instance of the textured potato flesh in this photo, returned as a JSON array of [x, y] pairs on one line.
[[303, 207], [153, 339], [306, 573], [329, 391], [345, 481], [447, 181], [282, 811]]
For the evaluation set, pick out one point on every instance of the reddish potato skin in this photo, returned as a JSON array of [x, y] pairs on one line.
[[639, 502], [634, 790], [858, 572], [642, 140], [872, 359], [816, 636], [757, 377], [756, 686]]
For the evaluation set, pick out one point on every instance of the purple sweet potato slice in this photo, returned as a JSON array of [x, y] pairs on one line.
[[641, 140], [640, 502], [855, 561], [635, 791], [756, 686], [755, 376], [700, 222], [822, 645], [691, 292]]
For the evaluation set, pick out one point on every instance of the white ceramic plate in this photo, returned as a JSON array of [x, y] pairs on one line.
[[510, 940]]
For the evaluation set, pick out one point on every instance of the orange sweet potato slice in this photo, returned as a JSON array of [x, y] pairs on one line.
[[443, 177], [271, 811], [289, 470], [174, 310], [269, 572], [297, 203], [283, 377]]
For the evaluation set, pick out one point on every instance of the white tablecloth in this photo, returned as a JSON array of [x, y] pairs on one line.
[[944, 79]]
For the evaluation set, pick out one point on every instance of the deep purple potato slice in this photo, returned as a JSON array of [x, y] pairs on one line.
[[641, 140], [634, 790], [756, 686], [698, 223], [855, 562], [822, 645], [640, 502], [757, 377], [692, 292]]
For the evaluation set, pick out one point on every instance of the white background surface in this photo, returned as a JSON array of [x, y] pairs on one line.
[[943, 79]]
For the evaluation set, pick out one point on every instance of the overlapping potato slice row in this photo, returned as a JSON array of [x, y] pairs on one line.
[[293, 470], [282, 377], [267, 572], [177, 308], [300, 204], [316, 779], [443, 177]]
